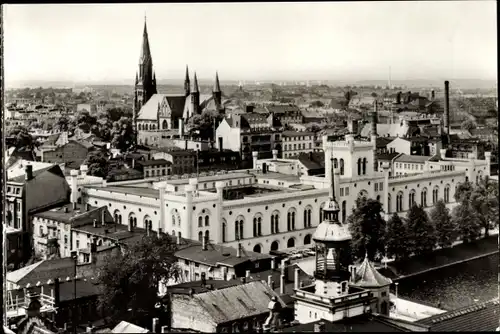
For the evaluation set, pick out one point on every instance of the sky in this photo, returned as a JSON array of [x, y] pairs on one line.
[[253, 41]]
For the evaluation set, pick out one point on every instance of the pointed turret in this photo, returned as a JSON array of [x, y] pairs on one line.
[[145, 86], [136, 78], [187, 84], [217, 93], [368, 277], [195, 97], [195, 84]]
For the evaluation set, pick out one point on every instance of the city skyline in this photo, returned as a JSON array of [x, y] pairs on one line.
[[321, 41]]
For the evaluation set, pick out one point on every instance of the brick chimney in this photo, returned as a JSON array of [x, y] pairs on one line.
[[28, 172], [238, 250], [156, 325]]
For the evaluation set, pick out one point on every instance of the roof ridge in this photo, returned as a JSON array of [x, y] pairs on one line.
[[465, 310]]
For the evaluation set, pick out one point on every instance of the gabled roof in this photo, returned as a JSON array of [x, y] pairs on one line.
[[387, 156], [17, 169], [312, 160], [127, 327], [218, 254], [383, 141], [237, 302], [478, 317], [412, 158], [45, 270], [368, 277], [383, 130], [36, 173]]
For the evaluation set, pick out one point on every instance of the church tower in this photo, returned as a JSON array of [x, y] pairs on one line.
[[145, 85], [333, 258], [187, 84], [217, 93], [195, 97]]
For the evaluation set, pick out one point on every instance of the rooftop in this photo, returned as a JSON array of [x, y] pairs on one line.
[[117, 232], [129, 190], [361, 323], [154, 162], [42, 271], [216, 255], [412, 158], [67, 213], [474, 318]]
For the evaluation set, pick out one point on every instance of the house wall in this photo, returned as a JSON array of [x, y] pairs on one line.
[[400, 145], [186, 313], [72, 151], [294, 145]]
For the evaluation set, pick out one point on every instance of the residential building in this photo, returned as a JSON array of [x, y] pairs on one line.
[[466, 148], [247, 133], [405, 164], [73, 153], [182, 161], [31, 187], [286, 114], [155, 167], [415, 146], [295, 142]]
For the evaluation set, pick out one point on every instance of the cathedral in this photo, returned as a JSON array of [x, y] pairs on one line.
[[158, 112]]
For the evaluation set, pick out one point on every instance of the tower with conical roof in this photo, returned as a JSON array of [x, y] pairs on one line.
[[332, 240], [145, 85], [195, 96], [217, 93]]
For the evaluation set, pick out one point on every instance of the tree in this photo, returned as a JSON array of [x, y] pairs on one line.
[[445, 228], [22, 138], [484, 200], [468, 125], [317, 104], [97, 163], [421, 232], [367, 228], [122, 134], [130, 281], [396, 237], [467, 222], [374, 94], [63, 124], [463, 192], [85, 121]]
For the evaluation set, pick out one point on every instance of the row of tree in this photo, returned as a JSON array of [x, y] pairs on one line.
[[420, 233]]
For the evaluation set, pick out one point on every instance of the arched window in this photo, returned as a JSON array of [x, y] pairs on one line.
[[321, 211], [288, 221], [241, 229], [237, 230], [200, 221], [164, 124], [447, 194], [118, 217], [435, 195], [344, 211], [291, 220], [207, 221], [307, 239], [290, 243], [259, 226], [389, 203], [254, 226], [411, 199], [179, 235], [423, 197], [200, 236], [207, 235], [257, 248], [223, 231], [399, 202], [132, 219], [364, 166], [275, 222], [335, 163], [272, 224], [359, 166], [307, 217], [275, 246], [341, 163]]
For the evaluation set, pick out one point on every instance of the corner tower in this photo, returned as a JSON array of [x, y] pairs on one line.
[[217, 93], [145, 85]]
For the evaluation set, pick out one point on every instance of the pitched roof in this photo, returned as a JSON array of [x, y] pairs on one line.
[[240, 301], [17, 169], [45, 270], [312, 160], [149, 111], [474, 318], [218, 254], [367, 276], [383, 141], [127, 327], [387, 156], [154, 162], [412, 158], [383, 130]]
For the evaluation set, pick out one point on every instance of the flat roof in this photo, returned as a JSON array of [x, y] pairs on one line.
[[211, 178], [138, 191], [59, 213], [278, 176]]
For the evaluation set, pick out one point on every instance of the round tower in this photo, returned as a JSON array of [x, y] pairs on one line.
[[332, 239]]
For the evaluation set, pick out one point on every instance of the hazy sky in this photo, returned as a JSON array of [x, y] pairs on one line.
[[243, 41]]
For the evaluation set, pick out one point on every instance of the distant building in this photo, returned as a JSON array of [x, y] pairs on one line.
[[73, 153], [158, 167], [295, 142]]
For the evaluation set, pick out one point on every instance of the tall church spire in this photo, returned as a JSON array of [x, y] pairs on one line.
[[217, 85], [187, 84], [195, 84], [145, 51], [145, 86]]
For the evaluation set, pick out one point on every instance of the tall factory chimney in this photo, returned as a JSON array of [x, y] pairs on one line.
[[446, 118]]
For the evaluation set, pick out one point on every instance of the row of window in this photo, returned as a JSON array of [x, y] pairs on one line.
[[409, 166], [423, 198], [297, 138], [297, 146]]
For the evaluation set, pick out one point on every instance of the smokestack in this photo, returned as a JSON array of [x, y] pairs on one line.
[[273, 263], [296, 278], [74, 205], [243, 280], [238, 250], [446, 121], [84, 169], [95, 223], [247, 273], [374, 119], [65, 209], [28, 172], [270, 280], [74, 185], [282, 284]]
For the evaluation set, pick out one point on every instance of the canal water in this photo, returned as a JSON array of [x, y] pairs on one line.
[[454, 286]]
